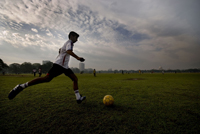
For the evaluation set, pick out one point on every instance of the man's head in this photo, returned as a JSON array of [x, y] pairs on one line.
[[73, 36]]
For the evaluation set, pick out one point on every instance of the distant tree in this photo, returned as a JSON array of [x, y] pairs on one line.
[[26, 67], [14, 68], [3, 65], [193, 70], [115, 71], [75, 70], [46, 67], [36, 65]]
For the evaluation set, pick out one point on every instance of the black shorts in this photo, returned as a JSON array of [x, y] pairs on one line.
[[58, 70]]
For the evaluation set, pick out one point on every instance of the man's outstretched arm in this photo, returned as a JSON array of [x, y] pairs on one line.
[[75, 56]]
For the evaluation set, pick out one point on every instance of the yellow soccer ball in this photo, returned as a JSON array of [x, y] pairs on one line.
[[108, 100]]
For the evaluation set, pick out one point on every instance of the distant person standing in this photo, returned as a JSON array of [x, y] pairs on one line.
[[40, 72], [34, 72], [94, 72]]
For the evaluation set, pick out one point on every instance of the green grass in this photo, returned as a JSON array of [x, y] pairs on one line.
[[147, 103]]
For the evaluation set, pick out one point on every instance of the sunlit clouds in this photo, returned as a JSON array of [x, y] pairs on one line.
[[129, 34]]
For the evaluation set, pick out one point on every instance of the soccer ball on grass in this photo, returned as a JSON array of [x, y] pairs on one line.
[[108, 100]]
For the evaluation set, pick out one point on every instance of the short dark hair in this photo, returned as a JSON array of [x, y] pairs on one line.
[[72, 33]]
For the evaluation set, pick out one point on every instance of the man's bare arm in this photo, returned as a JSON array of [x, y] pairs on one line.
[[75, 56]]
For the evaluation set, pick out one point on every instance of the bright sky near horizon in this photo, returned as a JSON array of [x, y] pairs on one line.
[[117, 34]]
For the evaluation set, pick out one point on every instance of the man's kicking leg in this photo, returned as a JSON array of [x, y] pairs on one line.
[[20, 87]]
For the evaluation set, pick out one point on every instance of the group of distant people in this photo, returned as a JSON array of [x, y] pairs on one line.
[[94, 72], [39, 72]]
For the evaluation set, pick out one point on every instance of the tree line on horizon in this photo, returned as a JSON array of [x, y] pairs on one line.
[[28, 67], [25, 67]]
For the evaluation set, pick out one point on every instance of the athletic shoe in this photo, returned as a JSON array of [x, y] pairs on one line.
[[15, 91], [81, 99]]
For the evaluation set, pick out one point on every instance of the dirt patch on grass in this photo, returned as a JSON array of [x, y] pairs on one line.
[[134, 79]]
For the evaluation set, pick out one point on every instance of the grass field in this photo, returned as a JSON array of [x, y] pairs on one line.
[[147, 103]]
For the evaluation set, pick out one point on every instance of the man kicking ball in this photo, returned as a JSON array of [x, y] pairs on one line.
[[60, 66]]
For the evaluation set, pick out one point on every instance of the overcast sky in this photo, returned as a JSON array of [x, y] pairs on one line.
[[117, 34]]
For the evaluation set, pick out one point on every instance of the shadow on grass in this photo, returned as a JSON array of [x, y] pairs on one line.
[[98, 107]]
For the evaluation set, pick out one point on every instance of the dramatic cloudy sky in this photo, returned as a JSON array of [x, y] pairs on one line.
[[117, 34]]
